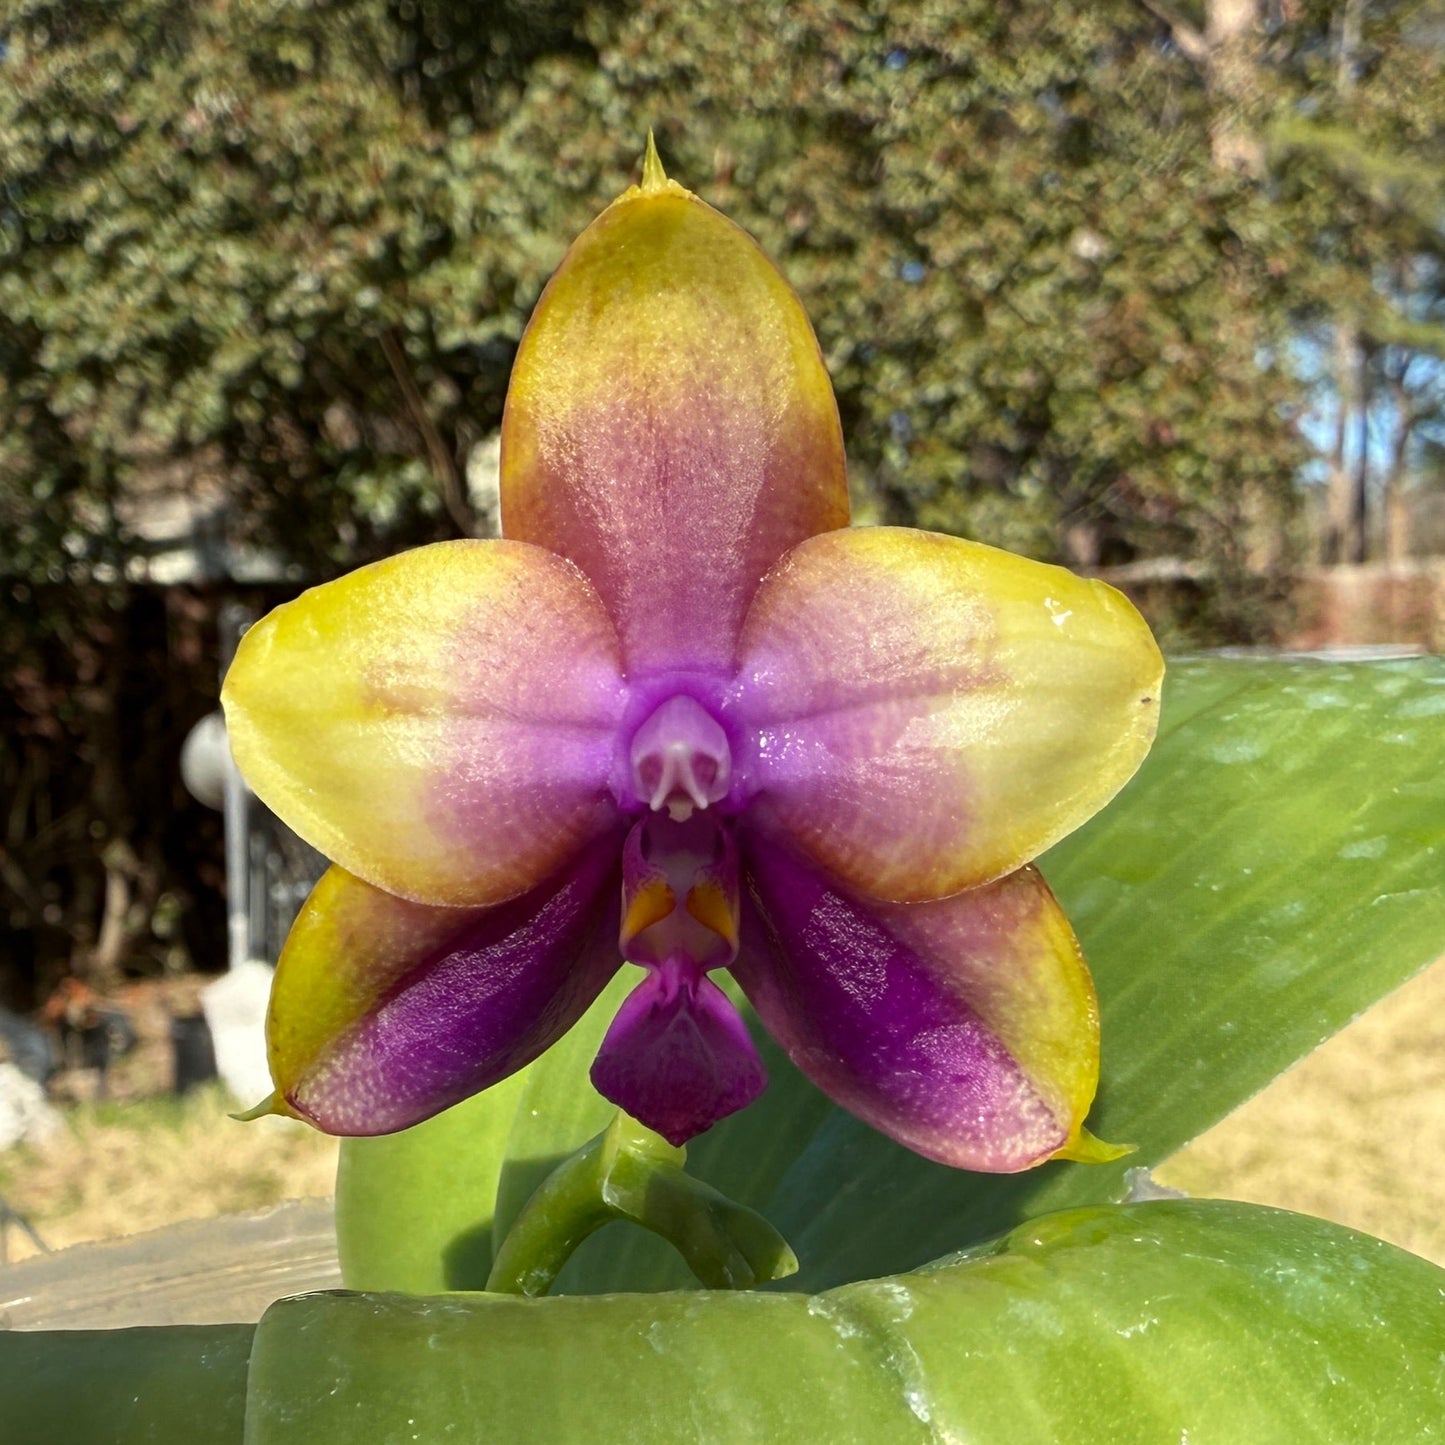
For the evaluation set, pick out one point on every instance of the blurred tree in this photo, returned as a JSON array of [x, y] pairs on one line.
[[1411, 389], [220, 223], [279, 253], [1339, 107], [297, 243], [1053, 320], [1356, 153]]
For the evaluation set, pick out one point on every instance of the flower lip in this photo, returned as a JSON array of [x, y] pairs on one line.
[[678, 1057], [680, 890]]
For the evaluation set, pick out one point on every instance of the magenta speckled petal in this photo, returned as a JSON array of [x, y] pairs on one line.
[[441, 724], [386, 1012], [964, 1028], [677, 1056], [670, 426]]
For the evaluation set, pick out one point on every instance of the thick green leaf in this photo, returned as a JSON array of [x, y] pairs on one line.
[[1193, 1321], [185, 1383], [1273, 870], [419, 1205]]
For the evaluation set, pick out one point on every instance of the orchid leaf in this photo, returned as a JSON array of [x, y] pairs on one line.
[[1273, 869], [125, 1387], [1202, 1321], [1183, 1320], [408, 1227], [1276, 869]]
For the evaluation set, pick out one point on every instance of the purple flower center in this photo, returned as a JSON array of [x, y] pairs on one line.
[[678, 1056], [680, 891], [680, 759]]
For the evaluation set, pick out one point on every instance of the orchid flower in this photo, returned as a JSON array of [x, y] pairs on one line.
[[681, 715]]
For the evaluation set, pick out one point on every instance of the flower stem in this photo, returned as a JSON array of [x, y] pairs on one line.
[[628, 1172]]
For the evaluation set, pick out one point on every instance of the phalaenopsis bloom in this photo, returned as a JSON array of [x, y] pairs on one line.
[[682, 715]]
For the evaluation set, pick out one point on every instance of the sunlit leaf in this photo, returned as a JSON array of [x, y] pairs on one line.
[[1192, 1321], [1208, 1322], [125, 1387]]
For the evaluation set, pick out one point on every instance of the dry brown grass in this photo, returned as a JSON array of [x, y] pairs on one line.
[[120, 1168], [1356, 1133]]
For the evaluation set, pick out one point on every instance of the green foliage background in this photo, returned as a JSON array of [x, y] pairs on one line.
[[1058, 317], [1053, 319]]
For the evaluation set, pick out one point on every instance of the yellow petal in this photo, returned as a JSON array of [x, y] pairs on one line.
[[442, 724], [928, 714], [670, 425], [385, 1012]]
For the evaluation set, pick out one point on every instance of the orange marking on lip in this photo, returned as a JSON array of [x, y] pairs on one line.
[[650, 904], [714, 909]]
